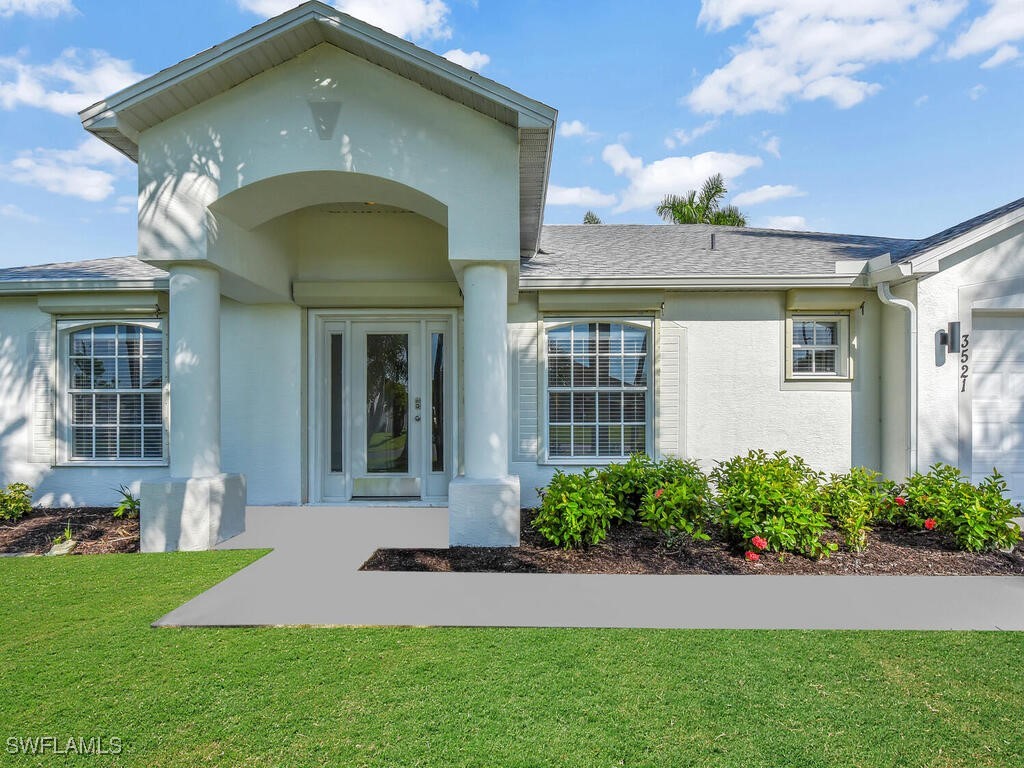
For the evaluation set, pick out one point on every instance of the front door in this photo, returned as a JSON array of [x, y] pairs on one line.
[[383, 408], [387, 410]]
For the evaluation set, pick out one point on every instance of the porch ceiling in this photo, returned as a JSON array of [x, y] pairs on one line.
[[119, 119]]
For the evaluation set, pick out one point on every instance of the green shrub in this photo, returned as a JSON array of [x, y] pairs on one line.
[[976, 516], [853, 500], [626, 484], [775, 497], [129, 505], [15, 501], [575, 510], [677, 499]]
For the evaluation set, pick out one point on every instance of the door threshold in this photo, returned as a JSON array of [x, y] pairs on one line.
[[381, 501]]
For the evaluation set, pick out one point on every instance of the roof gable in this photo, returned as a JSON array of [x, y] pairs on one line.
[[119, 119]]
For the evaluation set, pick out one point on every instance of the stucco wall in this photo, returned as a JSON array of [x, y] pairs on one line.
[[261, 399], [388, 128], [973, 272], [24, 331], [735, 394]]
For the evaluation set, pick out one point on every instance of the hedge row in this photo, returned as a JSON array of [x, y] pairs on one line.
[[773, 502]]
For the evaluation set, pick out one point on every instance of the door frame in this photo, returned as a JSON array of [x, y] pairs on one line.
[[317, 391]]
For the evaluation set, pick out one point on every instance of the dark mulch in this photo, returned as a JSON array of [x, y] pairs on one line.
[[94, 528], [632, 549]]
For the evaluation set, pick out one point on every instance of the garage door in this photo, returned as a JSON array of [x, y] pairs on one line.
[[997, 399]]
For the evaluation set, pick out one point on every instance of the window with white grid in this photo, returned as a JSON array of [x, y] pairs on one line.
[[818, 346], [597, 389], [114, 381]]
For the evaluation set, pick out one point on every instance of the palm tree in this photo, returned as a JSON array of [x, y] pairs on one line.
[[591, 218], [701, 207]]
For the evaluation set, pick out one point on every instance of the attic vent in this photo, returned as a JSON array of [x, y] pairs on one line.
[[712, 241]]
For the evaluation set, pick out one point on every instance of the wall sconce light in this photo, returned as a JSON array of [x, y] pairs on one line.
[[950, 338]]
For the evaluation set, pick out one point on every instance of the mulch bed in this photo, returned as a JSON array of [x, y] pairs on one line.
[[95, 529], [632, 549]]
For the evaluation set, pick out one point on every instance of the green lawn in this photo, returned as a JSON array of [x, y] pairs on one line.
[[79, 659]]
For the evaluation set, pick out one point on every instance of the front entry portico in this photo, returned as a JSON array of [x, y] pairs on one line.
[[381, 417]]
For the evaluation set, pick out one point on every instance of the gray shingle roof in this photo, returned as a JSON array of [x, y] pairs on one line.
[[653, 250], [915, 247], [117, 268]]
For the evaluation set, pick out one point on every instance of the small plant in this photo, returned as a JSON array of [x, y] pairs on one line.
[[976, 516], [774, 497], [129, 505], [852, 500], [65, 535], [15, 501], [575, 510], [680, 503]]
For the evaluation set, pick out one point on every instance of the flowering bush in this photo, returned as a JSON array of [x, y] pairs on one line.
[[681, 501], [625, 484], [976, 516], [752, 556], [575, 511], [759, 543], [774, 497]]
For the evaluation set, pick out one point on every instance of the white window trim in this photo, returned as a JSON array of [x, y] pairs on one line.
[[63, 397], [844, 351], [547, 322]]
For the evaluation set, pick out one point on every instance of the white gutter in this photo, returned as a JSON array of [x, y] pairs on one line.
[[885, 294]]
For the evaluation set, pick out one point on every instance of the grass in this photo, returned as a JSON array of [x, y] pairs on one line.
[[79, 659]]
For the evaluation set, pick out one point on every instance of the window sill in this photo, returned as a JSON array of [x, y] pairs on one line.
[[111, 464], [819, 383], [576, 461]]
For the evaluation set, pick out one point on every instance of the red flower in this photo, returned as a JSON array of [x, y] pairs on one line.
[[758, 542], [929, 524], [900, 501], [657, 493], [752, 556]]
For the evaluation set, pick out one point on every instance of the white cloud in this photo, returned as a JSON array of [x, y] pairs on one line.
[[44, 9], [474, 60], [771, 145], [921, 100], [795, 223], [69, 83], [1003, 54], [682, 137], [572, 128], [414, 19], [670, 175], [88, 171], [1004, 23], [582, 196], [766, 193], [976, 92], [126, 204], [11, 211], [811, 49]]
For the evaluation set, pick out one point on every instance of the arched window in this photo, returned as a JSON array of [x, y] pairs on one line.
[[112, 386], [598, 377]]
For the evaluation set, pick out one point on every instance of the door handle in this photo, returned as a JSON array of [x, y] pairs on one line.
[[419, 404], [418, 417]]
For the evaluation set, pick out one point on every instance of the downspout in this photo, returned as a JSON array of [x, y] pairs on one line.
[[885, 294]]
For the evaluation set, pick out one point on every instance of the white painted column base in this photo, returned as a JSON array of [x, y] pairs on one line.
[[483, 512], [191, 514]]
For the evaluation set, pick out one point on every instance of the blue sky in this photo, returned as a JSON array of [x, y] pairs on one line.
[[885, 117]]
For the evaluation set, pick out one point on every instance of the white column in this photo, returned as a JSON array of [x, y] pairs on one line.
[[483, 504], [194, 368], [485, 288], [197, 506]]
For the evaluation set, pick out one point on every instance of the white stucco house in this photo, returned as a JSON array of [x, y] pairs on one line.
[[344, 292]]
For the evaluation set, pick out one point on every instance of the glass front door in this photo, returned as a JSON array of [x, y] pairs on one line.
[[385, 409]]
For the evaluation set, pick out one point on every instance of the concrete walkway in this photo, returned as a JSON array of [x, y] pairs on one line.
[[312, 578]]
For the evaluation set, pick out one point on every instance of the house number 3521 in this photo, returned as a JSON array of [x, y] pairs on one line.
[[964, 357]]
